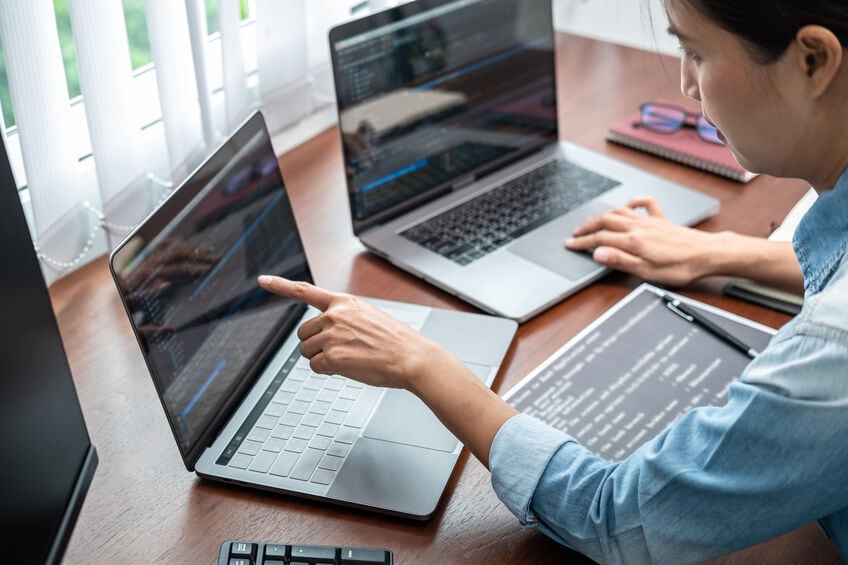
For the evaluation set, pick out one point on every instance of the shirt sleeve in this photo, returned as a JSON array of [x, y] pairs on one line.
[[720, 479]]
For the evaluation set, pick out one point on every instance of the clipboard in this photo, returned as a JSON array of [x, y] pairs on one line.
[[634, 371]]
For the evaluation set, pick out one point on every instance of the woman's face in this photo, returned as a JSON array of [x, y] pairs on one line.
[[749, 103]]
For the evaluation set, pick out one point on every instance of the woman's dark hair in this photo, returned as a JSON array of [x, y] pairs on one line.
[[769, 26]]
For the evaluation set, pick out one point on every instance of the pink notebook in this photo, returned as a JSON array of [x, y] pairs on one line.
[[683, 146]]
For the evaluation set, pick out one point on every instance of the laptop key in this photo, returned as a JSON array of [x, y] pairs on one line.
[[282, 432], [240, 461], [320, 442], [363, 407], [266, 421], [306, 465], [275, 409], [262, 462], [335, 417], [291, 419], [338, 449], [328, 430], [330, 463], [306, 395], [304, 432], [258, 434], [314, 382], [298, 407], [349, 393], [347, 435], [249, 447], [322, 476], [283, 397], [334, 383], [343, 405], [274, 444], [312, 420], [284, 464], [296, 445]]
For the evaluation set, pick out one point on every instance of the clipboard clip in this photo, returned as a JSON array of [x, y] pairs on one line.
[[671, 304], [692, 316]]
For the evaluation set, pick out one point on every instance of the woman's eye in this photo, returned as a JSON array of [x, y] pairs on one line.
[[689, 54]]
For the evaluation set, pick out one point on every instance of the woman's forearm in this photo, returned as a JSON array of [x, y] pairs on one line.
[[767, 262]]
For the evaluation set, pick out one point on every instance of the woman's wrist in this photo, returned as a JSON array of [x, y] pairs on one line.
[[724, 254], [424, 361]]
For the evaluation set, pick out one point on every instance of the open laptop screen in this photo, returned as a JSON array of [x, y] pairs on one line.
[[187, 276], [434, 93]]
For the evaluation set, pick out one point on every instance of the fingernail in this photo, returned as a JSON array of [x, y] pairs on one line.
[[601, 256], [264, 279], [569, 242]]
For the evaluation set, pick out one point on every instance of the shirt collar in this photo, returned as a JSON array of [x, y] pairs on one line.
[[821, 238]]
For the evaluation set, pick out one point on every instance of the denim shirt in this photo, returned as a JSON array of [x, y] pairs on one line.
[[774, 458]]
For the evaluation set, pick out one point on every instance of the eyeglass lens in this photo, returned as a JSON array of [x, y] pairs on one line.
[[668, 119]]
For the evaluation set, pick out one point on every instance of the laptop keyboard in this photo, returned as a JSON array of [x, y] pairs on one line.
[[488, 222], [308, 428], [306, 423], [259, 553]]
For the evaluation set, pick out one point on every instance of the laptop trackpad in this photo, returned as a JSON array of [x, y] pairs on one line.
[[545, 246], [402, 418]]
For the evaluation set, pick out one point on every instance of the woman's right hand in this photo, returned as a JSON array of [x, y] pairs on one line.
[[352, 338]]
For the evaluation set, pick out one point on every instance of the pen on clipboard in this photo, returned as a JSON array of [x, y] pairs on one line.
[[695, 317]]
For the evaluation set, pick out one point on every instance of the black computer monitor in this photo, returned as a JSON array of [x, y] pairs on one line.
[[47, 457]]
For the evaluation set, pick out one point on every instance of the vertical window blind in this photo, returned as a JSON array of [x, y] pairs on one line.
[[93, 167]]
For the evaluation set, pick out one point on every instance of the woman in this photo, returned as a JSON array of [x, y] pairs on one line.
[[773, 78]]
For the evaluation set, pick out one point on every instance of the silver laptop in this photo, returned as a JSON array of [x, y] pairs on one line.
[[448, 118], [242, 402]]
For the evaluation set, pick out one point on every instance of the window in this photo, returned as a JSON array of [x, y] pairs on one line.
[[139, 136]]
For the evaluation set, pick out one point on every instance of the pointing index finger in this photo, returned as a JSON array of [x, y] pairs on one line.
[[298, 290]]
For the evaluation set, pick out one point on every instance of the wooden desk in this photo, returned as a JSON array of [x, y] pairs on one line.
[[144, 507]]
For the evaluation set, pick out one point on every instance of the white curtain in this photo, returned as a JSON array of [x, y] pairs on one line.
[[206, 85], [236, 95], [40, 101], [198, 32], [170, 48], [103, 55]]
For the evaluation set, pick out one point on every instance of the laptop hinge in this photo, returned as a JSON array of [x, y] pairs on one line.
[[464, 181]]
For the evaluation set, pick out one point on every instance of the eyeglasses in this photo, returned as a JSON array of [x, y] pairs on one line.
[[667, 118]]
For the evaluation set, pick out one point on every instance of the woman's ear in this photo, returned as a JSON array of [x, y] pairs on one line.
[[819, 54]]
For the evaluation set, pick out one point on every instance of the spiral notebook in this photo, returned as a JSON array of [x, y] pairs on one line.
[[683, 146]]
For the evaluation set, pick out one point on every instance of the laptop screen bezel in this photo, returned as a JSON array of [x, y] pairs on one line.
[[390, 17], [163, 216]]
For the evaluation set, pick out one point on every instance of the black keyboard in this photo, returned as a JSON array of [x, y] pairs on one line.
[[475, 228], [260, 553]]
